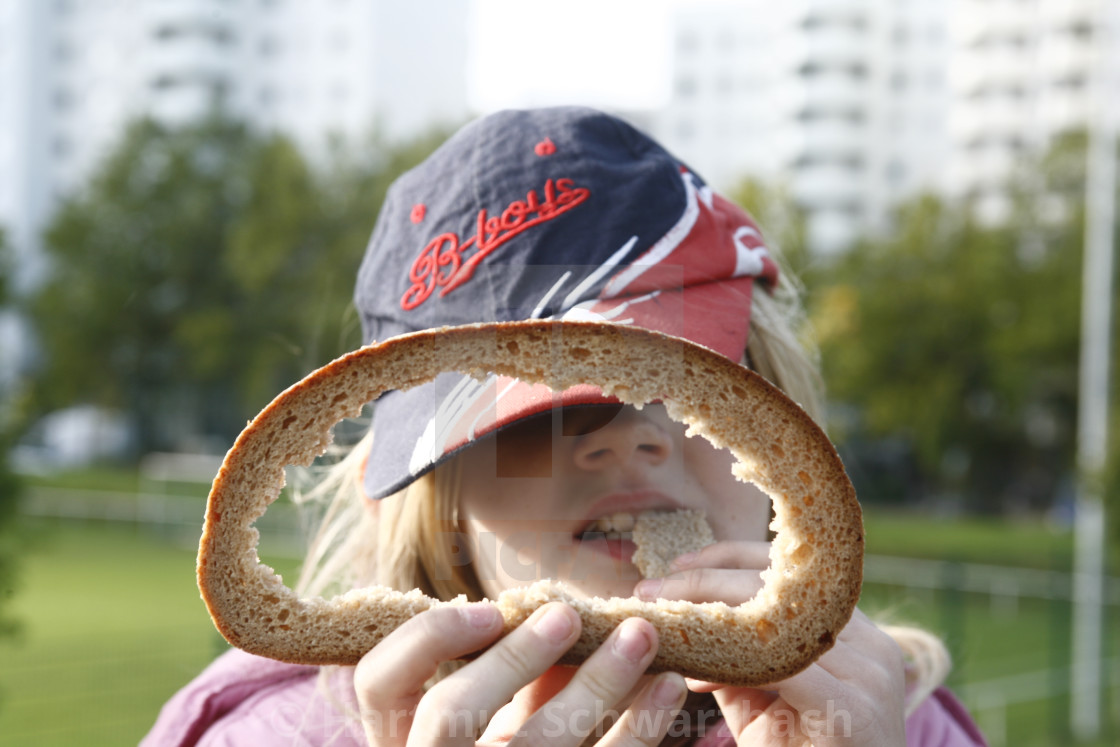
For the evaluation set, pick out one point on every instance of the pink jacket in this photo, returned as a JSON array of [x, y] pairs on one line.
[[242, 700]]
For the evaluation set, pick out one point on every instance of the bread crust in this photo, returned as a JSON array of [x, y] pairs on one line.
[[811, 587]]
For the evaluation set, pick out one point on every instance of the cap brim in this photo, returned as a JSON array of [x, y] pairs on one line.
[[418, 429]]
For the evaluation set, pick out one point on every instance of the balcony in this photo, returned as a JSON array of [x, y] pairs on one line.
[[832, 91], [827, 186], [182, 104], [994, 115], [170, 15], [845, 13], [995, 67], [1069, 13], [826, 49], [982, 168], [1065, 109], [1066, 56], [975, 26], [193, 57], [831, 140]]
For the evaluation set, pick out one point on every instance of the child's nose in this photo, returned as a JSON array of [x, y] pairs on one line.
[[629, 438]]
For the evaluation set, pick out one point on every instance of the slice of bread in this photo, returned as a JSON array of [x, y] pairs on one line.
[[816, 569], [663, 536]]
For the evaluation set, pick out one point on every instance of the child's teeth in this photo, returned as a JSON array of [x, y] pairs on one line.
[[623, 522], [616, 523]]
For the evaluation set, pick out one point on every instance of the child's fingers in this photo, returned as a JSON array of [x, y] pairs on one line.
[[728, 554], [723, 572], [457, 709], [702, 585], [650, 717], [389, 680], [852, 695], [770, 722], [509, 718], [595, 690], [865, 664]]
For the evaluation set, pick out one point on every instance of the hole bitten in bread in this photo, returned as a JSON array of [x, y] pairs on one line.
[[816, 558]]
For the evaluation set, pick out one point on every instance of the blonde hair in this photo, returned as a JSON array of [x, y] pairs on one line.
[[404, 556]]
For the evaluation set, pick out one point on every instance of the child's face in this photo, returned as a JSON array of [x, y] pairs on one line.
[[529, 496]]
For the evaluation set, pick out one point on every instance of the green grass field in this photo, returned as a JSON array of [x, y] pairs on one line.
[[113, 626]]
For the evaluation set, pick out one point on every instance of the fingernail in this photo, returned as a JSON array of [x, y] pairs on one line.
[[555, 624], [649, 589], [631, 642], [667, 693], [684, 561], [479, 615]]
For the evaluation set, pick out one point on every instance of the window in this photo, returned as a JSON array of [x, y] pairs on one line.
[[63, 99], [687, 42], [896, 171], [268, 46], [1082, 30], [1071, 81], [685, 87], [61, 147], [64, 51], [267, 96]]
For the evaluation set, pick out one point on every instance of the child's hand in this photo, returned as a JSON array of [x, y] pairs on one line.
[[852, 695], [389, 682], [724, 572]]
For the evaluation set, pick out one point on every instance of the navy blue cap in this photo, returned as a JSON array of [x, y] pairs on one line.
[[551, 213]]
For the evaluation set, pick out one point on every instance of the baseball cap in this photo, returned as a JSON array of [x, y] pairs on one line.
[[557, 213]]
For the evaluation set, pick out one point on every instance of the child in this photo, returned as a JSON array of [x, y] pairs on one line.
[[468, 487]]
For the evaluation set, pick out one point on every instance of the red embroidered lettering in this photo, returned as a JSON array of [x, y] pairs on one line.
[[442, 263], [513, 215], [425, 274]]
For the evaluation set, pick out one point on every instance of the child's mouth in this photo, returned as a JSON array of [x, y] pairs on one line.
[[618, 545], [612, 535]]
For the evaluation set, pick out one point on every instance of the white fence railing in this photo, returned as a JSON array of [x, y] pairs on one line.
[[176, 516], [990, 699], [282, 535], [997, 580]]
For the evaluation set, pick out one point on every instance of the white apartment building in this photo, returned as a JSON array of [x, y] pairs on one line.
[[853, 103], [17, 179], [73, 71], [1022, 72], [856, 104], [843, 100]]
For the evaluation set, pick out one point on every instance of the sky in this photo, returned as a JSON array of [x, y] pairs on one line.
[[597, 52]]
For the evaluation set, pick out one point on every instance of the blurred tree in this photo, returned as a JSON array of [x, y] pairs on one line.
[[203, 269], [961, 340], [136, 271]]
